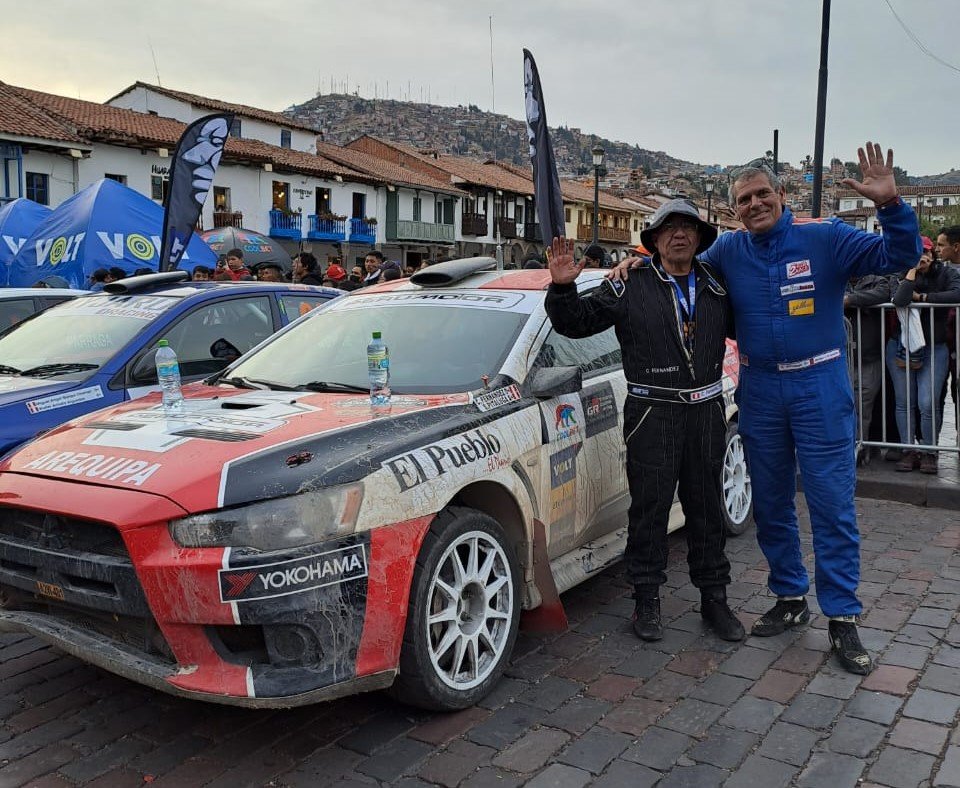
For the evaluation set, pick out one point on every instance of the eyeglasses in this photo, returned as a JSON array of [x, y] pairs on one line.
[[687, 225]]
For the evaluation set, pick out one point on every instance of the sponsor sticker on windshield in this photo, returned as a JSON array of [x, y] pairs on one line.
[[480, 299], [65, 399], [497, 398], [139, 307], [293, 576]]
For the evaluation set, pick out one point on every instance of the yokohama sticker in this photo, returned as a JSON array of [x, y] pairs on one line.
[[498, 398], [294, 576], [65, 399]]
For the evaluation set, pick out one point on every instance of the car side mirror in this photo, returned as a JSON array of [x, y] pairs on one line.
[[547, 382], [144, 370]]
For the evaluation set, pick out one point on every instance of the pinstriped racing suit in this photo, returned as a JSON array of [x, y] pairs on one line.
[[796, 403], [668, 440]]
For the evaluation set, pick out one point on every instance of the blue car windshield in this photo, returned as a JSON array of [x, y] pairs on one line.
[[433, 349], [71, 340]]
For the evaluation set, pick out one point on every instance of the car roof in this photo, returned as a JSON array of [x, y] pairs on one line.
[[527, 279], [215, 289], [10, 293]]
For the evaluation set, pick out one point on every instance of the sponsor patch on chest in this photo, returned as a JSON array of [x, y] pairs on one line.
[[798, 287], [800, 306], [798, 268]]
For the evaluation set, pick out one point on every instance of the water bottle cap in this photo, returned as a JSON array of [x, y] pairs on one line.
[[376, 335], [163, 343]]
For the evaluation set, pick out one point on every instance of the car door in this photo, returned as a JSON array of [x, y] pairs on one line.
[[206, 340], [583, 478]]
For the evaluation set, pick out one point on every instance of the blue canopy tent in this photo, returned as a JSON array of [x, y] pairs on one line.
[[18, 219], [105, 225]]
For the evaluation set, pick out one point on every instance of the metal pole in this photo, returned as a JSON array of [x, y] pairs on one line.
[[821, 112], [776, 151], [709, 201], [596, 200]]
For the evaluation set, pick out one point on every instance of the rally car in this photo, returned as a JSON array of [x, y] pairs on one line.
[[18, 303], [281, 543], [98, 349]]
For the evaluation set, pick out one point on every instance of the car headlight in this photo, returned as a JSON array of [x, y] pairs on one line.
[[277, 524]]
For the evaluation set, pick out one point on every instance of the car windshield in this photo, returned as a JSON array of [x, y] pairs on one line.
[[71, 340], [434, 349]]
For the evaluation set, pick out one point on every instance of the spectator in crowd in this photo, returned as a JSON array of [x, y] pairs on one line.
[[356, 276], [372, 263], [336, 276], [234, 269], [919, 376], [117, 273], [594, 256], [409, 270], [144, 271], [52, 281], [391, 273], [202, 273], [866, 350], [533, 263], [99, 278], [269, 272], [948, 250], [305, 269]]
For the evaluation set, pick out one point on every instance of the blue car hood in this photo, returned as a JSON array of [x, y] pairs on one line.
[[16, 389]]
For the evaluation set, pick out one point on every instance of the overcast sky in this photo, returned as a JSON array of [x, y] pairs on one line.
[[703, 80]]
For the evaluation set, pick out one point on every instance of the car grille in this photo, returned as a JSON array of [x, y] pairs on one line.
[[61, 533], [217, 435]]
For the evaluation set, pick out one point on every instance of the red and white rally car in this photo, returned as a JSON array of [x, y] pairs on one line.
[[280, 544]]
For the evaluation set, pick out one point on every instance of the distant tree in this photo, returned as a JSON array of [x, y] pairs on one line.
[[851, 169], [901, 177]]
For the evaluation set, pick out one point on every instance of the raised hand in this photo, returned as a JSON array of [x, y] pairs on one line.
[[878, 182], [563, 269]]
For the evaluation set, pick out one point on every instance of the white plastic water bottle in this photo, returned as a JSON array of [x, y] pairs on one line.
[[378, 367], [168, 376]]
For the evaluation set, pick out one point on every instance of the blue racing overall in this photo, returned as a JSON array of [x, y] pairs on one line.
[[796, 402]]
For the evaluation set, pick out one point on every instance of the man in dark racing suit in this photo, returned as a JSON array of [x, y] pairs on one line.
[[672, 318]]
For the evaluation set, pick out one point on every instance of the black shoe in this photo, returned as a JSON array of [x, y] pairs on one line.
[[845, 642], [783, 615], [721, 619], [646, 618]]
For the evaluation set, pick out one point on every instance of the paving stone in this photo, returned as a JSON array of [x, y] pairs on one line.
[[624, 773], [891, 679], [533, 667], [949, 772], [674, 640], [505, 725], [797, 659], [748, 662], [721, 688], [699, 776], [757, 770], [752, 714], [666, 686], [658, 748], [560, 775], [789, 743], [874, 706], [452, 766], [941, 678], [570, 645], [695, 663], [396, 759], [550, 693], [901, 768], [834, 685], [532, 750], [578, 714], [692, 716], [856, 737], [634, 716], [932, 706], [919, 735], [445, 727], [947, 655], [905, 655], [377, 732], [37, 763], [642, 664], [613, 687], [723, 747], [919, 636], [492, 778], [812, 711], [931, 617], [832, 769], [506, 691], [589, 667], [595, 749], [778, 685], [886, 618]]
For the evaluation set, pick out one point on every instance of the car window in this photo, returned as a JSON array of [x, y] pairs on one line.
[[589, 353], [214, 335], [12, 312], [293, 306]]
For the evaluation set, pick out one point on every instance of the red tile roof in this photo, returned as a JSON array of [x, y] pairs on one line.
[[21, 118], [224, 106], [942, 189], [384, 170]]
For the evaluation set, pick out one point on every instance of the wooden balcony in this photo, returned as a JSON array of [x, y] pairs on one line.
[[531, 232], [507, 227], [474, 224], [405, 230], [227, 219], [608, 234]]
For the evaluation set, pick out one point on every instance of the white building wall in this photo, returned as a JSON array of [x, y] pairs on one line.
[[59, 169]]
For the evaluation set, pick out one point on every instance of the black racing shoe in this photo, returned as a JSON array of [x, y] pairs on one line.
[[646, 618], [845, 642], [721, 619], [783, 615]]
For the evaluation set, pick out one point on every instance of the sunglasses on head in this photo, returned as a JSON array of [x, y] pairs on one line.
[[754, 164]]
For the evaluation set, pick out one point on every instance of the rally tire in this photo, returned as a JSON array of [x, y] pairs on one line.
[[736, 491], [463, 613]]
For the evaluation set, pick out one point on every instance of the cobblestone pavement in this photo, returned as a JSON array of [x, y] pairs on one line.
[[592, 706]]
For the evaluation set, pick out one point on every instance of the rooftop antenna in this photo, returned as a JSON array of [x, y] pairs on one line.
[[156, 68]]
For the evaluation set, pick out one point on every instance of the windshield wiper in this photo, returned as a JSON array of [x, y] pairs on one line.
[[8, 370], [255, 383], [57, 369], [321, 385]]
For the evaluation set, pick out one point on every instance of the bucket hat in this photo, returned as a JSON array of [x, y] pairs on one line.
[[708, 233]]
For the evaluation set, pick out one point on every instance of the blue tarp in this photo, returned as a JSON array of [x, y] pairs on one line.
[[18, 219], [107, 224]]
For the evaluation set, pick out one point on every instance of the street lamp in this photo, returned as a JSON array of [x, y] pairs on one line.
[[708, 188], [597, 153]]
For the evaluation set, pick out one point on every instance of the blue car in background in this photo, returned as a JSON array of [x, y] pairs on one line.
[[97, 350]]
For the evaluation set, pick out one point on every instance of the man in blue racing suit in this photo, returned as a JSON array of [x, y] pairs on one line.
[[786, 281]]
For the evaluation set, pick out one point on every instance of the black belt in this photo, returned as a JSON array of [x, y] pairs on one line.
[[685, 396]]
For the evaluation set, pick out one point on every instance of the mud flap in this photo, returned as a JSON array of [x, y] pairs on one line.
[[550, 615]]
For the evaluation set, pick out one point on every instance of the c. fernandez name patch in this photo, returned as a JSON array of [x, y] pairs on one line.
[[294, 576]]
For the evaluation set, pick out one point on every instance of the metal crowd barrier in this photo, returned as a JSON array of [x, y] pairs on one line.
[[945, 444]]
